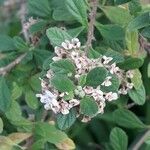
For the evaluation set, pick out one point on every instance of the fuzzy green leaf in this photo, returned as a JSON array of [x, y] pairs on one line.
[[139, 22], [126, 118], [5, 95], [78, 9], [118, 139], [138, 95], [96, 76], [64, 66], [57, 36], [66, 121], [62, 83], [88, 106]]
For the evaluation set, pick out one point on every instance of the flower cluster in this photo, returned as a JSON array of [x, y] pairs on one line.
[[54, 99]]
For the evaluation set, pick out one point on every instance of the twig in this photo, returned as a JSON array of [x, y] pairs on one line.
[[130, 105], [90, 36], [6, 69], [141, 140], [22, 17]]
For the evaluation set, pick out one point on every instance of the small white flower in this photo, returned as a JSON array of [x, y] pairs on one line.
[[123, 91], [129, 74], [88, 89], [67, 45], [107, 81], [129, 85], [64, 107], [49, 74], [86, 119], [111, 96], [73, 103], [106, 60], [76, 43], [114, 69], [101, 105]]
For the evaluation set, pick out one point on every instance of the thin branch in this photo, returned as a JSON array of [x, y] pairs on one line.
[[90, 36], [6, 69], [129, 106], [141, 140]]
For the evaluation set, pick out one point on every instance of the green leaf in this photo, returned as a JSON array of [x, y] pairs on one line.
[[66, 121], [138, 95], [132, 42], [135, 6], [78, 9], [139, 22], [127, 119], [40, 55], [49, 133], [31, 99], [76, 31], [117, 57], [16, 92], [115, 84], [88, 106], [82, 80], [111, 32], [61, 12], [117, 15], [1, 125], [5, 95], [146, 32], [57, 36], [39, 8], [63, 66], [131, 63], [34, 82], [118, 2], [62, 83], [38, 27], [136, 80], [96, 76], [118, 139], [20, 43], [93, 54], [6, 43]]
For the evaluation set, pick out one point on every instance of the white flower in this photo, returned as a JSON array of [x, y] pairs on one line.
[[114, 69], [111, 96], [106, 60], [86, 119], [50, 100], [64, 107], [67, 45], [88, 89], [107, 81], [76, 43], [129, 85], [49, 74], [129, 74], [97, 94], [123, 91], [73, 103], [101, 105]]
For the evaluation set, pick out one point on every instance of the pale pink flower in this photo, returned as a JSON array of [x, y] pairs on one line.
[[76, 43], [114, 69], [106, 60], [107, 81], [67, 45], [129, 74], [111, 96]]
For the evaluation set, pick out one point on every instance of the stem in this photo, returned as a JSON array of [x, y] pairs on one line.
[[141, 140], [6, 69], [90, 35]]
